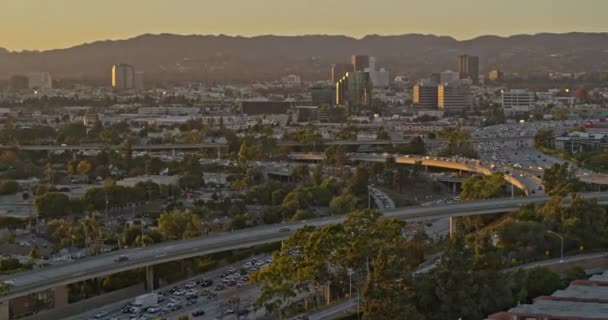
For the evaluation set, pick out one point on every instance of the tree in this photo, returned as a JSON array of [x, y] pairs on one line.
[[300, 172], [84, 167], [302, 215], [483, 187], [542, 281], [190, 182], [544, 138], [343, 204], [317, 174], [247, 152], [34, 254], [360, 182], [153, 166], [315, 261], [53, 204], [8, 187], [560, 180], [575, 273], [193, 137], [179, 225], [416, 146]]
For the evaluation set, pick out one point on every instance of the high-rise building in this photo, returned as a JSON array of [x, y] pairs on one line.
[[339, 70], [516, 102], [123, 77], [424, 95], [380, 78], [453, 98], [360, 62], [40, 80], [323, 95], [354, 90], [469, 68]]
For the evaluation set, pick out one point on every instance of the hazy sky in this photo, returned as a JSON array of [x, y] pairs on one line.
[[45, 24]]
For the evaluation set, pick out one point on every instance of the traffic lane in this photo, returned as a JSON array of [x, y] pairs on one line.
[[115, 309], [105, 264]]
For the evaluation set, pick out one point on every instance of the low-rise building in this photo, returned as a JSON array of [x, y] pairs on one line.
[[518, 102]]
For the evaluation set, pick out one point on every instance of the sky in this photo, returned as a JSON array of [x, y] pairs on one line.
[[50, 24]]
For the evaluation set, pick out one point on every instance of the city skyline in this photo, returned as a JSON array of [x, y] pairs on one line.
[[67, 23]]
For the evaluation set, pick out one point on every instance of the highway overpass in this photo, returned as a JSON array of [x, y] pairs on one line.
[[469, 166], [98, 266], [197, 146]]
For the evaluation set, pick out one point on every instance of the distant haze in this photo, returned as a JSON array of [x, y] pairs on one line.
[[226, 59], [42, 24]]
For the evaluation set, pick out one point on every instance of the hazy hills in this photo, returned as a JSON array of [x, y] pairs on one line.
[[227, 59]]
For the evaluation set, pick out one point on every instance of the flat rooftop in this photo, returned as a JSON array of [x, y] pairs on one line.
[[578, 310], [583, 292]]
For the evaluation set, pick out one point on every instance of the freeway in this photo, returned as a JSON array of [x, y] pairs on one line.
[[526, 180], [98, 266], [196, 146]]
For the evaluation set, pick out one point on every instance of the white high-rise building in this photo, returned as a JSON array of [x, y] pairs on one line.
[[380, 78], [518, 102], [40, 80]]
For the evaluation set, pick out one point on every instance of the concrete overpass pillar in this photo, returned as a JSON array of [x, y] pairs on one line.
[[173, 152], [452, 227], [4, 311], [150, 278], [454, 185], [60, 296]]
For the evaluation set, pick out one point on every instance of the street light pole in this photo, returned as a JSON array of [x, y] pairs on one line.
[[561, 238], [350, 283]]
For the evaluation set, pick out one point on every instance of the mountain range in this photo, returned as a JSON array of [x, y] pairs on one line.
[[226, 59]]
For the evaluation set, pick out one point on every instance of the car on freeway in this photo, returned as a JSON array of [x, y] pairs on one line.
[[198, 313], [122, 258], [285, 229]]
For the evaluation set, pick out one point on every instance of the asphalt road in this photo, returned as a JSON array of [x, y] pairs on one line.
[[97, 266]]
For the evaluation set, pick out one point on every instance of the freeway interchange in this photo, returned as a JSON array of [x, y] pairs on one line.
[[98, 266]]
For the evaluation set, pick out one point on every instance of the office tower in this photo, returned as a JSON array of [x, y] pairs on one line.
[[448, 76], [123, 77], [40, 80], [323, 95], [360, 62], [354, 90], [469, 68], [424, 95], [19, 82], [339, 70], [453, 98], [518, 102], [380, 78]]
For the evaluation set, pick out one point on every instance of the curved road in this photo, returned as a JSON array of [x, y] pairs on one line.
[[98, 266]]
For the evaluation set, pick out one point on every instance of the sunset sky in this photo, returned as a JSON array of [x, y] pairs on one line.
[[47, 24]]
